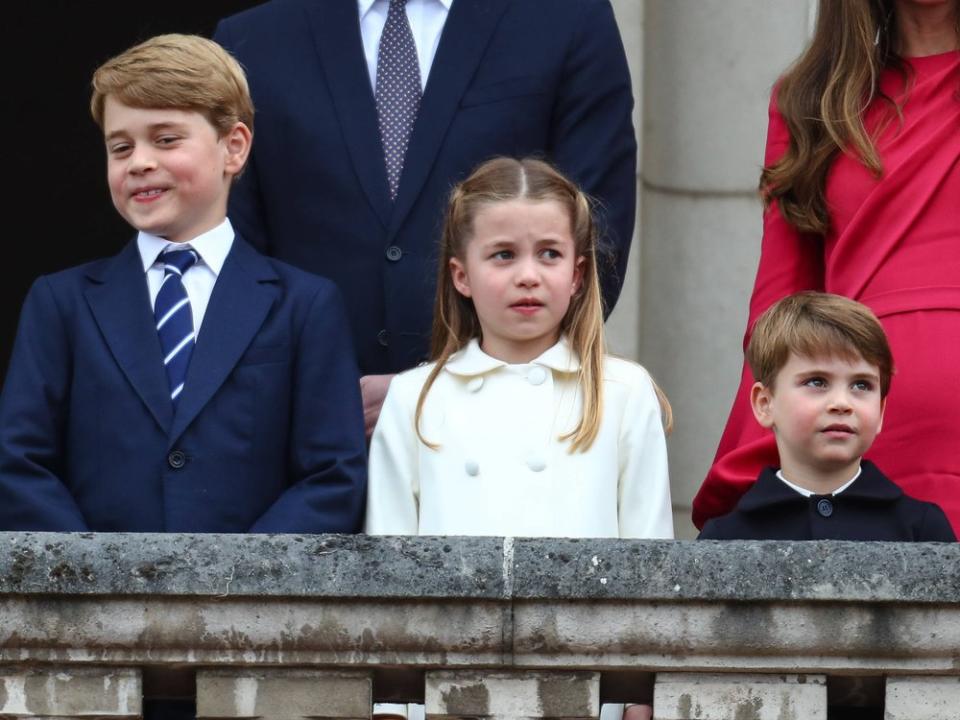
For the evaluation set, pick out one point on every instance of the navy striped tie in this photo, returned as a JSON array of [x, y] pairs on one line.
[[175, 319]]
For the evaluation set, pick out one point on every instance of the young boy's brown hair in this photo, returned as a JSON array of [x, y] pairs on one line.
[[181, 72], [814, 324]]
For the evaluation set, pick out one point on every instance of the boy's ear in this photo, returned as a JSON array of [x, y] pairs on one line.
[[461, 281], [577, 275], [883, 409], [761, 400], [237, 142]]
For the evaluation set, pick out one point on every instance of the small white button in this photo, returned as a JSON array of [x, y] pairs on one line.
[[472, 467], [536, 463], [475, 384], [537, 375]]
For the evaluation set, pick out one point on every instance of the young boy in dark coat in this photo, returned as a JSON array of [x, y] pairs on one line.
[[823, 367]]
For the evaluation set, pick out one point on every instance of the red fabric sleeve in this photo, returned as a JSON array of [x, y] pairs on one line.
[[789, 262]]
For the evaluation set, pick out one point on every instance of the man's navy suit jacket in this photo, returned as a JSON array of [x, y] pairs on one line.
[[267, 435], [510, 77]]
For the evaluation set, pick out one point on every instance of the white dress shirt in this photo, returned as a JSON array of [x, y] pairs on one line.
[[501, 469], [426, 23], [212, 247]]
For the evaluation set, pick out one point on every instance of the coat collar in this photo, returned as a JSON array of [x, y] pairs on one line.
[[769, 490], [471, 360]]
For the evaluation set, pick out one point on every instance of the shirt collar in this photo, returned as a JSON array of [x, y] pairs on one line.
[[212, 246], [809, 493], [471, 360], [364, 5]]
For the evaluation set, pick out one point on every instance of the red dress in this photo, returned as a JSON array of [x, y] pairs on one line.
[[894, 245]]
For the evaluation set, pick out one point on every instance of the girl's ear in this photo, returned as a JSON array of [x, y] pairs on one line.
[[458, 273], [577, 275], [761, 400]]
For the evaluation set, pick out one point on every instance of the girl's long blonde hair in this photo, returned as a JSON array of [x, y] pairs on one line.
[[455, 320], [822, 98]]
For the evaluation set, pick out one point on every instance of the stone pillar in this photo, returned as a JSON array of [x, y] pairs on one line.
[[708, 67], [922, 698], [283, 694], [70, 692], [623, 325], [512, 695], [695, 696]]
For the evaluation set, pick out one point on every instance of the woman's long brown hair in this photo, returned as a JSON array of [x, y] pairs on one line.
[[822, 98]]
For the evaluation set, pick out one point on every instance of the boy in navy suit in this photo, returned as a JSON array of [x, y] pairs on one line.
[[822, 367], [187, 384]]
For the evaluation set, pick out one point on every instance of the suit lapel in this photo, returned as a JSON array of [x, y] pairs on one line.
[[242, 296], [120, 304], [336, 26], [466, 33]]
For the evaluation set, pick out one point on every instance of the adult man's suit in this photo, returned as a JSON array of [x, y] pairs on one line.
[[514, 77], [267, 435]]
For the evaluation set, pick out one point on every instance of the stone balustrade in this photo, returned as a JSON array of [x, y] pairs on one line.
[[285, 626]]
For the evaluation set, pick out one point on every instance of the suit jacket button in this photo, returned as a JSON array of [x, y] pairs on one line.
[[825, 507], [383, 337], [394, 253], [176, 459]]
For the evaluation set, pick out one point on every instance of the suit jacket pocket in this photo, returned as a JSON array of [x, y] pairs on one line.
[[265, 354], [503, 90]]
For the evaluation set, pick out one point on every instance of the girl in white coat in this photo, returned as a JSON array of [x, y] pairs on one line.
[[521, 425]]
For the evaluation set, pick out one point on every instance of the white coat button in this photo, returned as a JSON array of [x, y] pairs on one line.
[[536, 463], [472, 467], [475, 384], [537, 375]]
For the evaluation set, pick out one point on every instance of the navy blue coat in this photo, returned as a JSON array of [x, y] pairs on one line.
[[873, 508], [510, 77], [267, 435]]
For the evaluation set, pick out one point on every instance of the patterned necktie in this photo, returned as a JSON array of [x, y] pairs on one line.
[[398, 90], [175, 319]]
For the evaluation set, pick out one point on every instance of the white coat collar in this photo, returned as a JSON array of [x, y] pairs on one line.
[[471, 360]]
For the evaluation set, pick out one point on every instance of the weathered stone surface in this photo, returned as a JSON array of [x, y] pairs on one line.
[[288, 694], [689, 696], [358, 566], [340, 602], [486, 694], [922, 698], [736, 571], [68, 692], [244, 565]]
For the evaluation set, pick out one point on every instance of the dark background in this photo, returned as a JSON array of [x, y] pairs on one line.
[[56, 204]]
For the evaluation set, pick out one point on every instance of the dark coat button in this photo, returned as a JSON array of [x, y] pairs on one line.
[[825, 507], [176, 459], [394, 253], [383, 337]]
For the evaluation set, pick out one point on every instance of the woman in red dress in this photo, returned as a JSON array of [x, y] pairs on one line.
[[861, 183]]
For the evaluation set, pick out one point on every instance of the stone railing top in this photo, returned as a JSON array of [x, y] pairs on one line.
[[516, 569]]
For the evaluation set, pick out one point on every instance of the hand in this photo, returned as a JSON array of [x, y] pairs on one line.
[[373, 388], [638, 712]]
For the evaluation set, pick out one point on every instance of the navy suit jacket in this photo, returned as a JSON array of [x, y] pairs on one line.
[[872, 508], [267, 435], [510, 77]]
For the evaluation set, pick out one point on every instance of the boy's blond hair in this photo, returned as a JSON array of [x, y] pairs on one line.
[[181, 72], [813, 324]]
